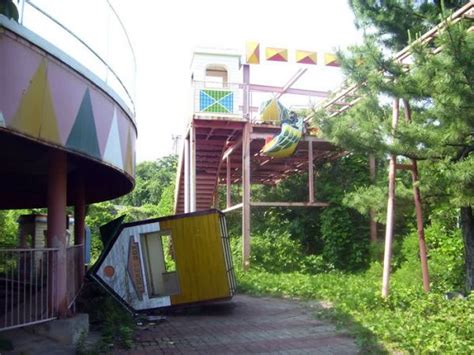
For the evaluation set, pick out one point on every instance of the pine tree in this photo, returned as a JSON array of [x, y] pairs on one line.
[[440, 90]]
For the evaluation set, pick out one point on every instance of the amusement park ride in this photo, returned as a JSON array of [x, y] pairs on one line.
[[67, 138], [229, 141], [226, 144]]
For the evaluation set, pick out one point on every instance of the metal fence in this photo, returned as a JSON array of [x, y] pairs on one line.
[[75, 273], [26, 283], [213, 99]]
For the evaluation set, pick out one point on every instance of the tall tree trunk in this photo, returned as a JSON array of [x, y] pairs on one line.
[[467, 226]]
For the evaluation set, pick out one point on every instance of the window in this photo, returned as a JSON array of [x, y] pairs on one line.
[[216, 76], [160, 263]]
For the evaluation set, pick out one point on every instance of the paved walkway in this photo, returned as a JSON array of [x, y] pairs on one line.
[[244, 325]]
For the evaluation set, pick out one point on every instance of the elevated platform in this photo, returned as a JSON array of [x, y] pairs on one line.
[[217, 142]]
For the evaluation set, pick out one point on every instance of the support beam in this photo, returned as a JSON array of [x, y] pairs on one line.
[[278, 89], [56, 234], [289, 204], [246, 92], [404, 166], [419, 211], [310, 172], [228, 185], [390, 208], [231, 149], [290, 83], [187, 178], [233, 208], [192, 168], [246, 196], [373, 223]]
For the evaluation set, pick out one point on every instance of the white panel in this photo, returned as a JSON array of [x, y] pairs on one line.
[[121, 282]]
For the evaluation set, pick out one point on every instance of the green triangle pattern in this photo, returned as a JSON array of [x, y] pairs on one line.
[[83, 136], [216, 94], [216, 107]]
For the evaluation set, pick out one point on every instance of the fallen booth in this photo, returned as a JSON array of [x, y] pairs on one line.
[[168, 261]]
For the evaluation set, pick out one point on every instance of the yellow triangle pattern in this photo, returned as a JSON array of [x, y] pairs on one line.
[[252, 52], [306, 57], [35, 115], [331, 60], [278, 54]]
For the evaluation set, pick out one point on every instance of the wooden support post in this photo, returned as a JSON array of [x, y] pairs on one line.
[[187, 179], [373, 223], [56, 235], [228, 185], [192, 168], [419, 212], [390, 208], [246, 196], [310, 172]]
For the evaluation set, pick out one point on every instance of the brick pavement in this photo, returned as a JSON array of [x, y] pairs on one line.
[[244, 325]]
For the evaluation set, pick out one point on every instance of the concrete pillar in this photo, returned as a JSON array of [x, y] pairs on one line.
[[56, 236]]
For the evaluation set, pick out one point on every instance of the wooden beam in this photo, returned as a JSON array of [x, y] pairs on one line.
[[233, 208], [290, 83], [277, 89], [310, 172], [192, 169], [373, 223], [390, 208], [231, 149], [404, 166], [419, 212], [228, 184], [289, 204], [187, 179]]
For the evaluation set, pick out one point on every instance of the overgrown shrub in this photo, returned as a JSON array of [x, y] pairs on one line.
[[346, 242], [445, 258], [276, 253]]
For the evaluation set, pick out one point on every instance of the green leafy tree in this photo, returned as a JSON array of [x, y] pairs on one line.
[[439, 89], [152, 178], [8, 8]]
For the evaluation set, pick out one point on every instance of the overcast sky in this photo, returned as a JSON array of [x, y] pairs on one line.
[[164, 34]]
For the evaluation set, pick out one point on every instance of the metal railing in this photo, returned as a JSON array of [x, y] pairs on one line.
[[27, 279], [74, 266], [91, 32], [227, 99]]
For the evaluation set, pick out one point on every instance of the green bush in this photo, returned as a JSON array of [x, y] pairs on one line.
[[346, 244], [445, 258], [276, 253]]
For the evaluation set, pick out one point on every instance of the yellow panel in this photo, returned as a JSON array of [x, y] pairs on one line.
[[331, 60], [306, 57], [276, 54], [200, 262], [35, 115], [252, 52]]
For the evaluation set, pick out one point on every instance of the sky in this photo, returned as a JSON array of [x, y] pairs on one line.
[[165, 33]]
